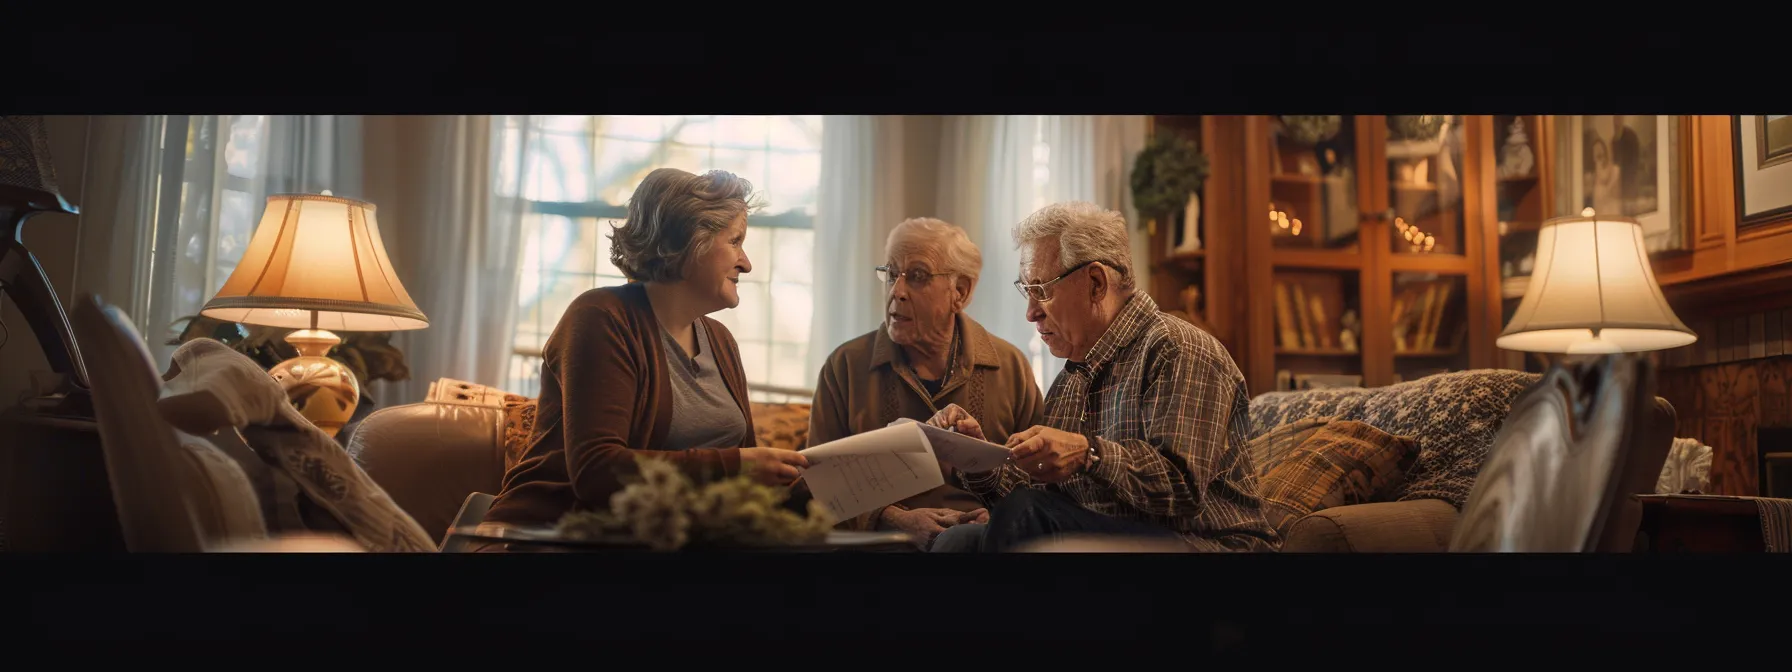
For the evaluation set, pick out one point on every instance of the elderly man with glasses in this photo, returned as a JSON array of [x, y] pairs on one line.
[[927, 355], [1145, 428]]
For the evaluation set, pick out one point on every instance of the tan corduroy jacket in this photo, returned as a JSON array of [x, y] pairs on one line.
[[867, 384]]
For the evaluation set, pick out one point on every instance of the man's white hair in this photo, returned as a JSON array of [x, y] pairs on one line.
[[1086, 232], [957, 252]]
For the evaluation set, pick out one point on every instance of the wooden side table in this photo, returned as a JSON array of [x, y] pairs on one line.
[[1699, 523], [55, 495]]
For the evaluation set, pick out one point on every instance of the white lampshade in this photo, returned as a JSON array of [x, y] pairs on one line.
[[1593, 291], [316, 262]]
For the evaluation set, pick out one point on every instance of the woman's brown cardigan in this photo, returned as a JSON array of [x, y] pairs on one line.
[[606, 398]]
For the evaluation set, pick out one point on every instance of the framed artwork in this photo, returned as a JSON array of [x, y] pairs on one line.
[[1627, 165], [1763, 169]]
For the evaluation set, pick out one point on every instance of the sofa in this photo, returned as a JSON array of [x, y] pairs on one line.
[[1454, 418], [430, 455]]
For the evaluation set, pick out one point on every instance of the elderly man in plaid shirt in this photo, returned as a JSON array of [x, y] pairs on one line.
[[1145, 428]]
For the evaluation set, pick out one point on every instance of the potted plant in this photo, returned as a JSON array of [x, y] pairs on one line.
[[1166, 181]]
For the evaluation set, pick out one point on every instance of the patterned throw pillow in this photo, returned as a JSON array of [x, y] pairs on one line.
[[519, 426], [519, 411], [1454, 416], [1273, 446], [1341, 463], [781, 425]]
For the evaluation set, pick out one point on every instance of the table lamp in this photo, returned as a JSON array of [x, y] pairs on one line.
[[1593, 292], [316, 264]]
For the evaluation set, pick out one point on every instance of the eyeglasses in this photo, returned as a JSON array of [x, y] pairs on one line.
[[1038, 292], [916, 277]]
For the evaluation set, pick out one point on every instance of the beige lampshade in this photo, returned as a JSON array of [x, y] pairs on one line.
[[319, 254], [1593, 292]]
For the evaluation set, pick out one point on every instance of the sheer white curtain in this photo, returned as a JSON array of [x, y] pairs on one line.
[[124, 160], [457, 233], [996, 170], [184, 194], [860, 199], [986, 185], [1090, 159]]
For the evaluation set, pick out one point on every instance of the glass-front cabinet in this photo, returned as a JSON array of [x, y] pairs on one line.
[[1373, 246]]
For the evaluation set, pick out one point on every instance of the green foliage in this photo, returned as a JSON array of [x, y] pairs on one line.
[[369, 354], [1311, 129], [662, 509], [1167, 171]]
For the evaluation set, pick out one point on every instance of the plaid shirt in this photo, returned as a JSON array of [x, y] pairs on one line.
[[1166, 410]]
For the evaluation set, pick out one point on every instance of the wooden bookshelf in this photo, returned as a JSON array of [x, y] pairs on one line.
[[1210, 272], [1522, 201], [1377, 230]]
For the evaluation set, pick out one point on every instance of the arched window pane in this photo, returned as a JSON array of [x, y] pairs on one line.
[[584, 169]]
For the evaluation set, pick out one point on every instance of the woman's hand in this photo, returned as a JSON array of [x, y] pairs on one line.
[[772, 466]]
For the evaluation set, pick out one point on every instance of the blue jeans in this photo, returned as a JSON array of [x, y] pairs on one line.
[[1030, 514]]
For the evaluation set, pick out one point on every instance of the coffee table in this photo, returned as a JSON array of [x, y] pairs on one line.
[[532, 538]]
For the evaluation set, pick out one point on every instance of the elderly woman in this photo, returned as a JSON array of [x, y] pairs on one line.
[[639, 369], [927, 355]]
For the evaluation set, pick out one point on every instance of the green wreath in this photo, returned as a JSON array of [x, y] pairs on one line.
[[1167, 171]]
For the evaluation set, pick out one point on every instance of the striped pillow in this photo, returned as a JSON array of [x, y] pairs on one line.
[[1273, 446], [1341, 463]]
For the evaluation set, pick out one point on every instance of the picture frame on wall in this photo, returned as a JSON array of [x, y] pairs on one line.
[[1763, 149], [1631, 166]]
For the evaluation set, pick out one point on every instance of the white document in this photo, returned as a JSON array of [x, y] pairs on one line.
[[864, 471], [967, 454]]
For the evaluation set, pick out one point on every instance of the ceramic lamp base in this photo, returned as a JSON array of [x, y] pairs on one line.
[[323, 389]]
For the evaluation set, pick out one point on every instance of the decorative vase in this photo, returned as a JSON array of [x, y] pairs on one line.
[[1191, 225], [1516, 159], [323, 389]]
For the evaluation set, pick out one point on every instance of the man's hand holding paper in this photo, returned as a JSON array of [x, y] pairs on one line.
[[966, 451]]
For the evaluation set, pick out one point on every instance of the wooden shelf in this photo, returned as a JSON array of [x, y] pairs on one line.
[[1192, 262], [1450, 352], [1340, 260], [1736, 292], [1430, 262], [1297, 178], [1316, 352]]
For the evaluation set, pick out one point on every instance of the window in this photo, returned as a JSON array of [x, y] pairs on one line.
[[578, 174], [222, 180]]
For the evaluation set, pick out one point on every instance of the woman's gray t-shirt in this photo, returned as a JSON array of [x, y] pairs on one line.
[[704, 413]]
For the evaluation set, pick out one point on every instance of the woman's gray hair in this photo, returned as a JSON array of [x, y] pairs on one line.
[[675, 215], [1086, 232], [957, 252]]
